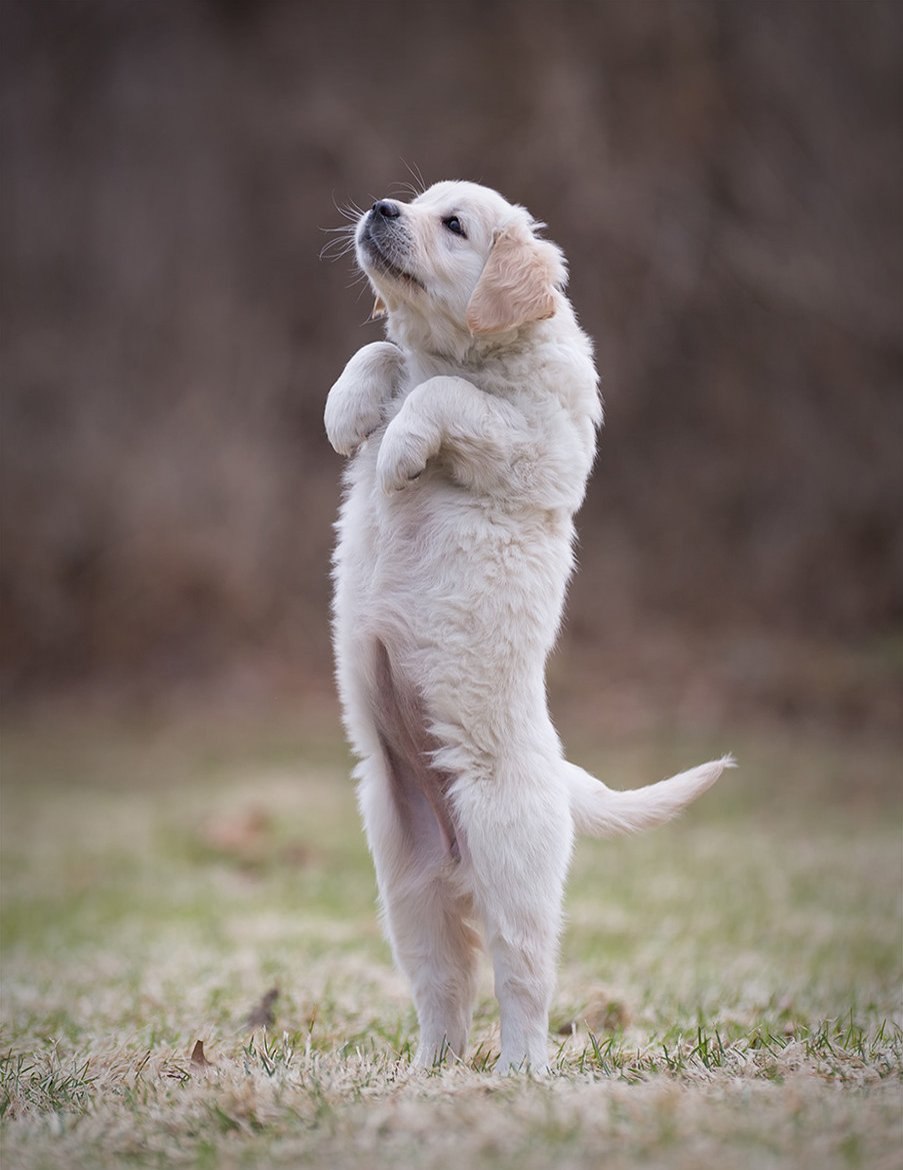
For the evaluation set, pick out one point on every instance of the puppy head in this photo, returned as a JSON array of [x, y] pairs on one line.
[[458, 264]]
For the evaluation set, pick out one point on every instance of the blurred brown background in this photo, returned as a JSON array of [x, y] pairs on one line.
[[724, 178]]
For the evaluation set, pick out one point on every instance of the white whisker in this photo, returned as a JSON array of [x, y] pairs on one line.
[[404, 188], [349, 210], [343, 236], [419, 184], [336, 248]]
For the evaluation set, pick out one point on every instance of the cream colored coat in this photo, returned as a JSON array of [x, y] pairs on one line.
[[471, 432]]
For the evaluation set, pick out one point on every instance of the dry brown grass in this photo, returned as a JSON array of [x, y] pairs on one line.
[[729, 990]]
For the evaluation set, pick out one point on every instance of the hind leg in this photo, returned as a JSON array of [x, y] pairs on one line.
[[519, 844], [427, 920]]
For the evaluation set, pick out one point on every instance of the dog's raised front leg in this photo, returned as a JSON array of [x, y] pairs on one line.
[[355, 403], [478, 434]]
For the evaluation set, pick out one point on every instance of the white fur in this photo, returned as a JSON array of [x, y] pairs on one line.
[[473, 431]]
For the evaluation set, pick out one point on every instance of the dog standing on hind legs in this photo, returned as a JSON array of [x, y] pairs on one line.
[[471, 433]]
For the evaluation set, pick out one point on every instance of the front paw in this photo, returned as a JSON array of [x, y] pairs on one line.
[[350, 419], [354, 408], [403, 455]]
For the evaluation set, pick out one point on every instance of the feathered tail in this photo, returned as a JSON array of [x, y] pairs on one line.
[[599, 811]]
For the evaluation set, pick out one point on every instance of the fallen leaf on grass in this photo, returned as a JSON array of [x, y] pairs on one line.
[[249, 839], [262, 1015], [198, 1059], [603, 1014], [238, 834]]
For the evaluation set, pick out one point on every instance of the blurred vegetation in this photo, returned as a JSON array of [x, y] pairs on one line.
[[724, 178]]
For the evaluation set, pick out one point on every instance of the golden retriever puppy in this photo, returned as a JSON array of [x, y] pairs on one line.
[[471, 431]]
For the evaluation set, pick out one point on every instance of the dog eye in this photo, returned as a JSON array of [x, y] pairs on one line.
[[454, 225]]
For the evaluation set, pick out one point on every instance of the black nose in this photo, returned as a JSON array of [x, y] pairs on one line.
[[386, 208]]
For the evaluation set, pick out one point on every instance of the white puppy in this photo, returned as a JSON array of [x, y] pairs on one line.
[[473, 432]]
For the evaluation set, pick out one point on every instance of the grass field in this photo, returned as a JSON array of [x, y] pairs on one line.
[[730, 988]]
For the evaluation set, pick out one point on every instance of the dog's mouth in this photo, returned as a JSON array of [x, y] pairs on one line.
[[383, 254]]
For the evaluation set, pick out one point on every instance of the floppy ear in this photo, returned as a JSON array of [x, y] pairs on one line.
[[517, 282]]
